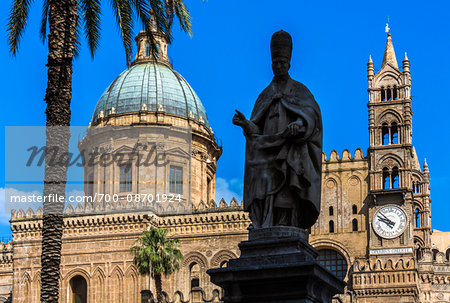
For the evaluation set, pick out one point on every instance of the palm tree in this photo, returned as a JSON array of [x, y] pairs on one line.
[[66, 20], [156, 255]]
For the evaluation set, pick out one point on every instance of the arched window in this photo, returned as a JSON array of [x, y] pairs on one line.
[[383, 94], [78, 290], [386, 179], [125, 178], [435, 252], [394, 93], [385, 134], [447, 254], [395, 178], [331, 226], [333, 261], [417, 218], [158, 50], [394, 133], [331, 211], [194, 275], [416, 187], [354, 209], [355, 225], [176, 179], [388, 95], [147, 49], [418, 250]]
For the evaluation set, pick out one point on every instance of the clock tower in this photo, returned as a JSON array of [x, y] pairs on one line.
[[398, 204]]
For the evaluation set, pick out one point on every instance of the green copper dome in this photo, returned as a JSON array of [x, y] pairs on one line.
[[151, 87]]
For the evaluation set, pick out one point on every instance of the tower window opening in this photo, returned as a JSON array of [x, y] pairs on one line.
[[383, 94], [208, 189], [386, 179], [331, 211], [395, 178], [354, 209], [385, 134], [355, 225], [394, 93], [147, 49], [125, 178], [394, 133], [416, 187], [331, 226], [388, 94], [417, 222], [176, 179], [418, 250]]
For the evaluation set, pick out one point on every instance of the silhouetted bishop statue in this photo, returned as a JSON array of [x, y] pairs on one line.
[[283, 157]]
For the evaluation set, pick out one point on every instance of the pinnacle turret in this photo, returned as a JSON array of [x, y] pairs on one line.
[[406, 63], [370, 70]]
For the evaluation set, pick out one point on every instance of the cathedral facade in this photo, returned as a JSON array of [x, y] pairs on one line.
[[374, 229]]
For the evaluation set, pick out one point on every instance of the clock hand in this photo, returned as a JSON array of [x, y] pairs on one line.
[[387, 222], [387, 219]]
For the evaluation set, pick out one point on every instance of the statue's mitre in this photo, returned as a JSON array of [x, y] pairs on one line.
[[281, 45]]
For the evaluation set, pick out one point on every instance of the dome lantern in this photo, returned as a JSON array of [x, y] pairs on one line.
[[144, 51]]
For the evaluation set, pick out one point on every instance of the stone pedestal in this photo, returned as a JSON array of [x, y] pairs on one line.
[[276, 265]]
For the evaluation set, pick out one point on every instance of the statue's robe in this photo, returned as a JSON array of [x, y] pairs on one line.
[[281, 171]]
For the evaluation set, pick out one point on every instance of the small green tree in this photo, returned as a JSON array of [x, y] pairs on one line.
[[156, 255]]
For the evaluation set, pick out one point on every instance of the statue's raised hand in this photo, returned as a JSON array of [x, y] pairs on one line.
[[239, 119]]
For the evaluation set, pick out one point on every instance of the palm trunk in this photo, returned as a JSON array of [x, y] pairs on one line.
[[61, 41], [158, 286]]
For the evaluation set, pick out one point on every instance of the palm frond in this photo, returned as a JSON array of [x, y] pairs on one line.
[[91, 12], [44, 18], [124, 19], [151, 9], [17, 22], [170, 11], [183, 16], [162, 20], [77, 38]]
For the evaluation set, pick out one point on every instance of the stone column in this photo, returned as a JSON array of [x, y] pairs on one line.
[[277, 265]]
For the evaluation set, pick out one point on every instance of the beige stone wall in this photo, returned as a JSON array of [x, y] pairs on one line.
[[344, 185], [441, 241], [97, 247]]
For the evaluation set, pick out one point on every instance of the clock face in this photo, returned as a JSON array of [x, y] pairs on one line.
[[389, 222]]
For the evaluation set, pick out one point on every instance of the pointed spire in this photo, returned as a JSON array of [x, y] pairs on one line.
[[389, 53], [406, 57]]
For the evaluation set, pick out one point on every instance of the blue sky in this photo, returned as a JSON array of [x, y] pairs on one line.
[[227, 62]]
